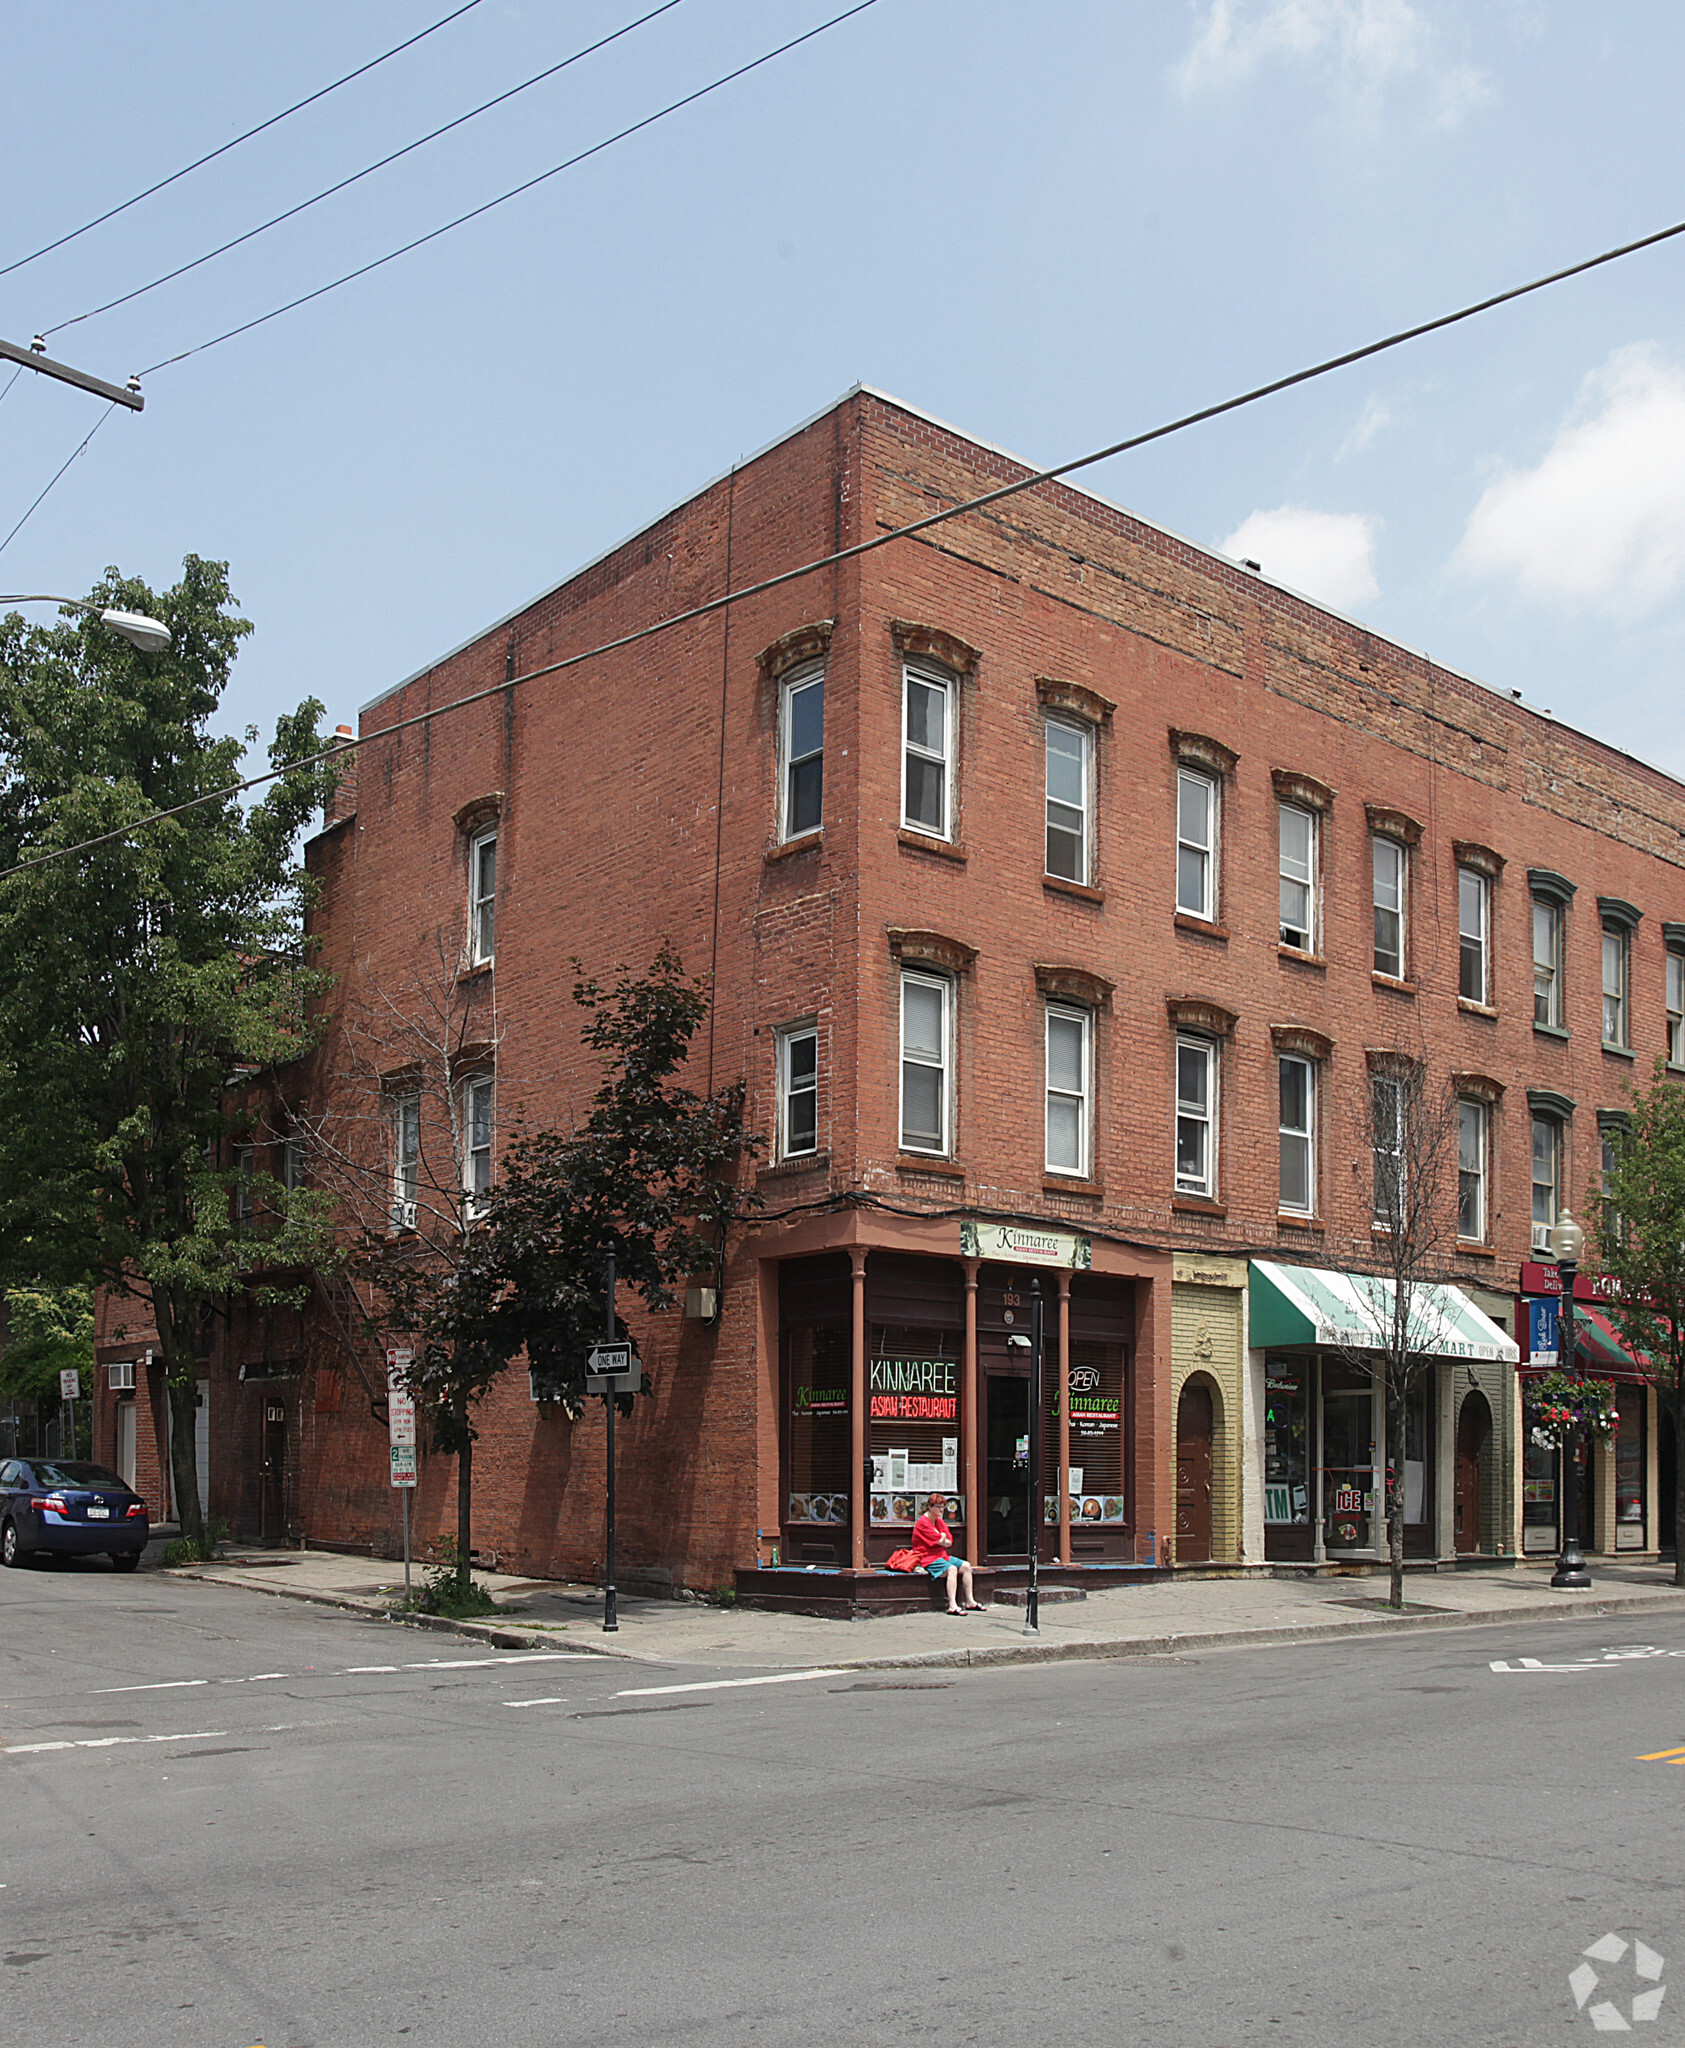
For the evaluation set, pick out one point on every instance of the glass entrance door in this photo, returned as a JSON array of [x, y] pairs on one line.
[[1348, 1457], [1007, 1464]]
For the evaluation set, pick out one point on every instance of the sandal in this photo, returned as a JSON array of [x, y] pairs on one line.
[[974, 1607]]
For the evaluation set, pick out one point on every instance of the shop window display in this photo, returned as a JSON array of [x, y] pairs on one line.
[[1096, 1469], [913, 1383], [1348, 1456], [817, 1374], [1287, 1463], [1630, 1462]]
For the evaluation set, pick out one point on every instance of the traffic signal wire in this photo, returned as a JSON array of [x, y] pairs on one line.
[[1029, 481]]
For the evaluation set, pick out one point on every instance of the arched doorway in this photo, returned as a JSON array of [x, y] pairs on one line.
[[1474, 1438], [1195, 1430]]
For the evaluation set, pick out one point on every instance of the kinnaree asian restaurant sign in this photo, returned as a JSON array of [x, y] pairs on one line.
[[1026, 1244], [914, 1389]]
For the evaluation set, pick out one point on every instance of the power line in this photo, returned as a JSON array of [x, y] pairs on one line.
[[199, 163], [515, 191], [866, 547], [69, 459], [367, 171]]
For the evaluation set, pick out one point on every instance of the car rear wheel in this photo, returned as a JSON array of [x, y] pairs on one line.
[[12, 1551], [125, 1560]]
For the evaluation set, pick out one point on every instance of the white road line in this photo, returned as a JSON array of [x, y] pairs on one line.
[[158, 1685], [479, 1663], [721, 1684], [358, 1670], [352, 1671], [555, 1701], [107, 1742]]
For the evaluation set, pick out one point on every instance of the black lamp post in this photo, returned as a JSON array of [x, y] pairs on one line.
[[1567, 1241]]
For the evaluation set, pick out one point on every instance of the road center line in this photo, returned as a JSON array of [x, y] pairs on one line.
[[107, 1742], [722, 1684], [157, 1685], [555, 1701]]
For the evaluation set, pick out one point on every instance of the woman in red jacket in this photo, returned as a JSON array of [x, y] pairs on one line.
[[933, 1550]]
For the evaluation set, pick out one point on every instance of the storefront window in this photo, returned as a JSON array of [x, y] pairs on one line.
[[1418, 1458], [1348, 1457], [1286, 1441], [818, 1373], [1096, 1473], [913, 1435], [1630, 1471]]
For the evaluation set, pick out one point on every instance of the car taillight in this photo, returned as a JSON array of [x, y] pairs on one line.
[[136, 1507], [51, 1501]]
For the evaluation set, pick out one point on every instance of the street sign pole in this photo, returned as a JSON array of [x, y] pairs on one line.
[[400, 1429], [1032, 1600], [611, 1619]]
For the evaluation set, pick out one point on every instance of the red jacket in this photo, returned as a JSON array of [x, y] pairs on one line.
[[932, 1538]]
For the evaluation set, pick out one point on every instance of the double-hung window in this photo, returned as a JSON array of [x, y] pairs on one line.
[[1676, 1009], [1196, 843], [406, 1160], [1616, 963], [1388, 1109], [1391, 864], [1474, 919], [1196, 1117], [1070, 750], [1296, 839], [479, 1096], [292, 1163], [926, 1063], [927, 742], [1610, 1126], [1069, 1111], [801, 741], [482, 898], [1547, 1178], [245, 1161], [798, 1091], [1297, 1099], [1547, 963], [1473, 1121]]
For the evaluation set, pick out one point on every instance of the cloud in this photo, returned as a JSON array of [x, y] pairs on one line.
[[1328, 555], [1599, 521], [1375, 417], [1363, 44]]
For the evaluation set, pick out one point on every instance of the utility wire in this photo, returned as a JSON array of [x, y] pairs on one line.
[[69, 459], [368, 170], [10, 381], [514, 191], [865, 547], [211, 156]]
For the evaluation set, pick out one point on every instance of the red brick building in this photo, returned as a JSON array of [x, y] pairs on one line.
[[1066, 889]]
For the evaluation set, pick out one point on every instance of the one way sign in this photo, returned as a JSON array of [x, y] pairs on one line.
[[609, 1370]]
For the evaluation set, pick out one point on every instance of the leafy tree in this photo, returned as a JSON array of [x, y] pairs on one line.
[[1640, 1238], [138, 977], [51, 1331]]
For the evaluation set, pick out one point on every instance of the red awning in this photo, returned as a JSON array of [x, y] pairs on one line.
[[1602, 1350]]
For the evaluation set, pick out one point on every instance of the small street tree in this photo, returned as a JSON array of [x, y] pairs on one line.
[[140, 976], [1639, 1233], [48, 1330]]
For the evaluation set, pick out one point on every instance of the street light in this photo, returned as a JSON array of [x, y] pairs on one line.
[[151, 636], [1567, 1241]]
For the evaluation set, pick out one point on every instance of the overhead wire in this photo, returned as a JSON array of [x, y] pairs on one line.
[[368, 171], [68, 460], [1029, 481], [515, 191], [222, 149]]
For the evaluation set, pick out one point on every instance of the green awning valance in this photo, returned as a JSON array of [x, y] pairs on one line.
[[1305, 1305]]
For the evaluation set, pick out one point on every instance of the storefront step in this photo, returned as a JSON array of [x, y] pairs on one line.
[[844, 1594], [1019, 1596]]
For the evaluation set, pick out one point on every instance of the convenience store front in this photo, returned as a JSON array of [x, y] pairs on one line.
[[1324, 1418]]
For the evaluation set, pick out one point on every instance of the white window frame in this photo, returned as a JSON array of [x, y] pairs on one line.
[[1391, 1087], [1675, 993], [1082, 1167], [1618, 937], [1204, 1185], [479, 1142], [797, 682], [1550, 970], [1554, 1126], [1188, 776], [942, 1066], [1290, 878], [245, 1165], [1401, 857], [1083, 830], [1475, 945], [292, 1164], [1304, 1136], [790, 1037], [482, 902], [1471, 1110], [940, 680], [406, 1159]]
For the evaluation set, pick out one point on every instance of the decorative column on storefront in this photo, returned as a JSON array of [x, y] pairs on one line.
[[859, 1500], [971, 1485], [1064, 1385]]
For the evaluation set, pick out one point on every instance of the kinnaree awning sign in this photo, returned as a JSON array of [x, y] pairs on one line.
[[1299, 1305]]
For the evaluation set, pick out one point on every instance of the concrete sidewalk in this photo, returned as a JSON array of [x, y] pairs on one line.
[[1155, 1619]]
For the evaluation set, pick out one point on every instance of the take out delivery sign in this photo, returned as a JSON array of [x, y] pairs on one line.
[[400, 1417]]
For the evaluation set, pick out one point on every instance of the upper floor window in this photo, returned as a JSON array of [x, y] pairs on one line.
[[1389, 1101], [1196, 1117], [1297, 1100], [926, 1063], [1069, 800], [1196, 843], [1547, 1178], [1472, 1129], [1547, 963], [245, 1162], [1676, 1009], [927, 738], [801, 741], [478, 1103], [1474, 913], [292, 1163], [1069, 1067], [1616, 1022], [1610, 1126], [1391, 861], [406, 1160], [1296, 837], [798, 1091], [482, 897]]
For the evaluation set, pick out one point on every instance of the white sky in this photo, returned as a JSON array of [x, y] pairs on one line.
[[1052, 224]]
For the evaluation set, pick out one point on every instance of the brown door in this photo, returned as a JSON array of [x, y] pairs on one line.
[[273, 1505], [1193, 1475], [1474, 1428]]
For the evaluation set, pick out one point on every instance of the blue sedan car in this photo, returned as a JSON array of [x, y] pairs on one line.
[[49, 1504]]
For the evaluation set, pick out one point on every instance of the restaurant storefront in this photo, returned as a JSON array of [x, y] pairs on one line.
[[1324, 1419]]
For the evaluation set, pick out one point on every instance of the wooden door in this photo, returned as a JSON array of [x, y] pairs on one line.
[[1474, 1430], [272, 1506], [1193, 1474]]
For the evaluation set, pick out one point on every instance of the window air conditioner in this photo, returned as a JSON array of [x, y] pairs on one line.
[[120, 1375], [1541, 1237], [403, 1215]]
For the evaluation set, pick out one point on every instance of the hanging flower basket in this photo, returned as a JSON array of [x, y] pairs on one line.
[[1562, 1403]]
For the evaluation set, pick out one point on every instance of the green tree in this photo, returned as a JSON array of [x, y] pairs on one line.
[[138, 978], [1640, 1237], [51, 1330]]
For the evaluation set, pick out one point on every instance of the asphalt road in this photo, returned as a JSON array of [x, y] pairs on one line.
[[230, 1820]]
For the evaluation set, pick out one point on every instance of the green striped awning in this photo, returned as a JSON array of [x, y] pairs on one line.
[[1300, 1305]]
